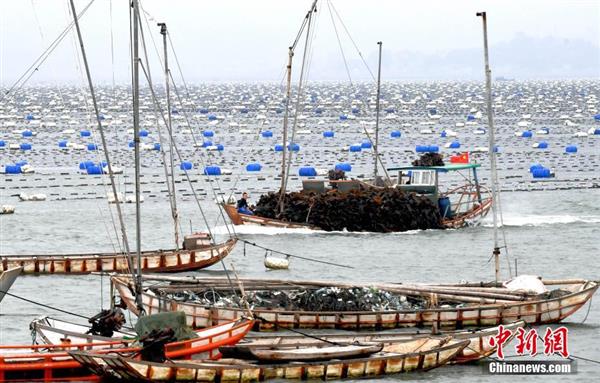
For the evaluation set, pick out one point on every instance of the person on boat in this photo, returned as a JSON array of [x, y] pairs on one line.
[[242, 205]]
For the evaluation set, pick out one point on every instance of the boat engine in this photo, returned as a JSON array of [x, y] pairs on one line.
[[106, 322]]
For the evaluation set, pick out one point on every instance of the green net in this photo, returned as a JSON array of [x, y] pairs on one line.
[[174, 320]]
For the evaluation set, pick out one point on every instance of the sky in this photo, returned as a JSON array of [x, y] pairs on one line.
[[242, 40]]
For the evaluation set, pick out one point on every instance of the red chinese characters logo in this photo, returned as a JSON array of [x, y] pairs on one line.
[[555, 341], [498, 341], [526, 342]]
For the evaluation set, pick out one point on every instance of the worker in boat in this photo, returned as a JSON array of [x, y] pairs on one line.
[[242, 205]]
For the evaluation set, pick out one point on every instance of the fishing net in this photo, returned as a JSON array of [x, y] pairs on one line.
[[162, 321]]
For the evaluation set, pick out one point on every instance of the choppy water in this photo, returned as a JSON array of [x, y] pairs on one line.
[[553, 233], [553, 229]]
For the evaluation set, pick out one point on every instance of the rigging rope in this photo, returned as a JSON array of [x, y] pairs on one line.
[[307, 46], [43, 305], [294, 256], [352, 40], [339, 42], [35, 66]]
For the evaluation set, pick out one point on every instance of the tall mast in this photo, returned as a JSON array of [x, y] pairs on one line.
[[376, 147], [492, 153], [111, 175], [136, 140], [288, 95], [174, 212], [305, 22]]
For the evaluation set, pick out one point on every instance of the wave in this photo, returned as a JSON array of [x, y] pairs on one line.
[[251, 229], [543, 220]]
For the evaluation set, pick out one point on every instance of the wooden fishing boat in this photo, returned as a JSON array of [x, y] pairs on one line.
[[465, 205], [158, 261], [415, 357], [7, 278], [476, 306], [478, 348], [53, 362]]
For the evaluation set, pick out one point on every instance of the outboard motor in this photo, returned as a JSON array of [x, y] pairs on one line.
[[106, 322]]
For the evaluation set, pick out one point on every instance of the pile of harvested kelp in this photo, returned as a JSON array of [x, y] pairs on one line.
[[429, 159], [323, 299], [367, 209]]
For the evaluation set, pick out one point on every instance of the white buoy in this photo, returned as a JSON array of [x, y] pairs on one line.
[[275, 263], [112, 199], [33, 197], [7, 209], [27, 169]]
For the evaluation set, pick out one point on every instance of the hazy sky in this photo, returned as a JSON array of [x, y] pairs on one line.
[[247, 40]]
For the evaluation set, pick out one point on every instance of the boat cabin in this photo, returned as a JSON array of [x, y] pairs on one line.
[[425, 180], [197, 241]]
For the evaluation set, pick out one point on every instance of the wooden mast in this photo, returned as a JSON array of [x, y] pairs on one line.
[[173, 198], [288, 95], [376, 146], [111, 175], [136, 140], [291, 49], [492, 152]]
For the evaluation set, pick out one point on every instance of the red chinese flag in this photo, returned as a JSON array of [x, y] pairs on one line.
[[460, 159]]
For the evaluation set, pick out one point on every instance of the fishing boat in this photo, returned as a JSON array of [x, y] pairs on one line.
[[473, 305], [155, 261], [53, 363], [7, 278], [479, 346], [415, 356], [462, 206]]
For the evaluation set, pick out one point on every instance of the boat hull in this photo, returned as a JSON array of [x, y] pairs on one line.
[[160, 261], [7, 278], [235, 371], [534, 312], [470, 218], [246, 219]]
